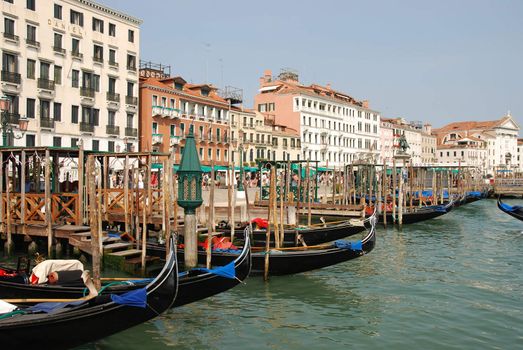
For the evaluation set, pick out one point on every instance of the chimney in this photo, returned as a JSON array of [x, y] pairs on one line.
[[329, 86], [267, 77], [365, 103], [427, 128]]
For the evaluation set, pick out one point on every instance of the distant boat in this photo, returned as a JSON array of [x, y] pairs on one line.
[[514, 211]]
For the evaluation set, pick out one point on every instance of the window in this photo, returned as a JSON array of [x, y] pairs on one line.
[[74, 142], [31, 34], [57, 11], [98, 25], [96, 82], [209, 153], [57, 41], [31, 4], [75, 78], [96, 117], [74, 114], [98, 53], [111, 118], [112, 85], [173, 130], [130, 120], [131, 62], [31, 69], [30, 108], [75, 47], [9, 28], [130, 89], [131, 36], [57, 141], [112, 56], [96, 145], [110, 146], [112, 29], [57, 111], [58, 75], [30, 141], [44, 70], [77, 18], [9, 1]]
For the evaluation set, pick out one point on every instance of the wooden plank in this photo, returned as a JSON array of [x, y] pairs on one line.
[[128, 252], [119, 245]]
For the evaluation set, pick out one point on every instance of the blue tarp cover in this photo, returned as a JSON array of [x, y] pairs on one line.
[[226, 271], [50, 307], [349, 245], [507, 207], [137, 298]]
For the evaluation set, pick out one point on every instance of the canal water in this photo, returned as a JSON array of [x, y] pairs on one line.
[[455, 282]]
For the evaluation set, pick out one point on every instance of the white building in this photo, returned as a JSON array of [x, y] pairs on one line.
[[468, 151], [335, 128], [499, 137], [70, 67], [392, 130]]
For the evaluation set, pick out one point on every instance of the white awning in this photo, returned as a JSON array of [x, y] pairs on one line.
[[268, 88]]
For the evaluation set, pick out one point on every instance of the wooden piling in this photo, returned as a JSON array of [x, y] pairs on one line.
[[48, 220], [93, 221], [2, 218], [22, 194], [126, 195], [9, 243], [385, 193], [210, 218], [394, 176]]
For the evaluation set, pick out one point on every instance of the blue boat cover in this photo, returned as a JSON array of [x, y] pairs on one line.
[[475, 194], [137, 298], [227, 271], [357, 246], [51, 307], [233, 251], [507, 207]]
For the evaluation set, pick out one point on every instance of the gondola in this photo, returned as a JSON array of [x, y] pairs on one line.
[[83, 321], [286, 261], [512, 210], [194, 285], [419, 214], [310, 236], [473, 196]]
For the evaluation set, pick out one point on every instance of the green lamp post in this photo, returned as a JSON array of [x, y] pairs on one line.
[[190, 197]]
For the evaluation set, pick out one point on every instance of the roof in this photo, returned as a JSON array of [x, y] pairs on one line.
[[471, 125]]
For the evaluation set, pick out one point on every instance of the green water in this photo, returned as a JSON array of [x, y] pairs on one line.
[[451, 283]]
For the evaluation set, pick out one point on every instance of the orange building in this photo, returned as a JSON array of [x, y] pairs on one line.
[[169, 105]]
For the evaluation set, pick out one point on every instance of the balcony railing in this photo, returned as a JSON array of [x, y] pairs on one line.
[[76, 54], [113, 64], [131, 100], [13, 118], [166, 112], [46, 84], [87, 92], [47, 123], [98, 59], [175, 140], [131, 67], [86, 127], [32, 42], [59, 50], [157, 139], [11, 36], [132, 132], [112, 96], [11, 77], [112, 130]]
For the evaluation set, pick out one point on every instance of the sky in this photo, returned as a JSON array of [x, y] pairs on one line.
[[434, 61]]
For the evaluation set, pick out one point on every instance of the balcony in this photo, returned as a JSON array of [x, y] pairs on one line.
[[113, 97], [157, 139], [113, 64], [87, 92], [166, 112], [131, 68], [46, 84], [132, 132], [11, 36], [46, 123], [77, 55], [175, 140], [11, 77], [112, 130], [97, 59], [86, 127], [131, 100], [59, 50], [32, 42], [12, 118]]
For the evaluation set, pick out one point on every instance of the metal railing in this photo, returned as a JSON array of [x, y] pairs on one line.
[[87, 92], [11, 36], [113, 64], [112, 130], [112, 96], [47, 123], [86, 127], [45, 84], [32, 42], [11, 77], [59, 50], [131, 100], [12, 118], [133, 132], [98, 59], [77, 54]]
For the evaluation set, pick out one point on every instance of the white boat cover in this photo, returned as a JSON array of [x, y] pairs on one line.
[[42, 270]]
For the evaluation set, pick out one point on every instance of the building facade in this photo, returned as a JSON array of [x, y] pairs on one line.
[[70, 67], [428, 145], [334, 128], [392, 130], [169, 106], [498, 137]]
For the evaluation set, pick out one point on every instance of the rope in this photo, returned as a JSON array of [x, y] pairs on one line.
[[12, 313]]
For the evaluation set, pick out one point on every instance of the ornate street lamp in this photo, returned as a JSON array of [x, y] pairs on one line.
[[5, 122], [190, 197]]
